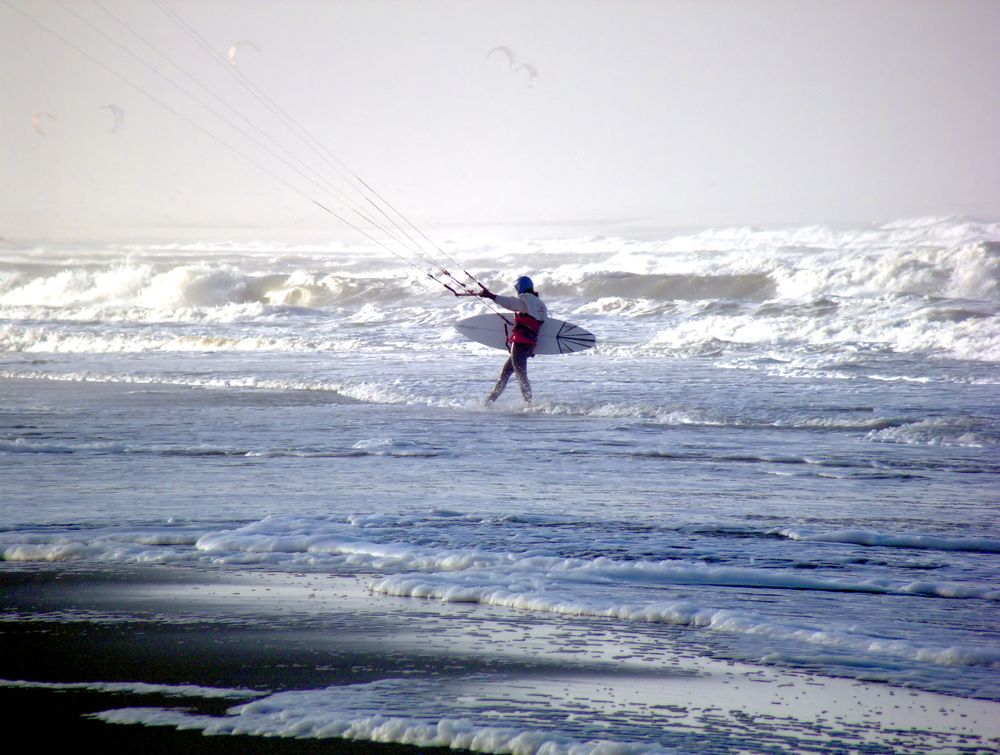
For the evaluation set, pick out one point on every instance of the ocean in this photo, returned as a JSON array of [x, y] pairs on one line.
[[781, 458]]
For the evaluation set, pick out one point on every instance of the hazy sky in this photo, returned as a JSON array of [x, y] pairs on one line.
[[676, 113]]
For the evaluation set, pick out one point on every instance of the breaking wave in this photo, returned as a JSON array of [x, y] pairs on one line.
[[927, 287]]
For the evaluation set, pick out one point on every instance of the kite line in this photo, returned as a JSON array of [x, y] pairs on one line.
[[362, 208]]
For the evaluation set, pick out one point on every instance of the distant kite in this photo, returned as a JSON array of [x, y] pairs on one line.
[[506, 52], [235, 47], [36, 121], [528, 68], [118, 114], [531, 71]]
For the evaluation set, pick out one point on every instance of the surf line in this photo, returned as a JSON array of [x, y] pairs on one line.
[[402, 238]]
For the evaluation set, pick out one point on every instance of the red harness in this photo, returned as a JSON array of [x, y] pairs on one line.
[[525, 330]]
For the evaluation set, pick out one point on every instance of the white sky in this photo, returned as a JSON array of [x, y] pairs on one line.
[[672, 113]]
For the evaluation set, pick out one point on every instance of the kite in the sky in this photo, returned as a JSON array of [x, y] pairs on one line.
[[531, 71], [36, 121], [118, 114], [528, 68], [235, 47], [506, 52]]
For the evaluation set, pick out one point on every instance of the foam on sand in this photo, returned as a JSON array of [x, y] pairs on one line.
[[610, 695]]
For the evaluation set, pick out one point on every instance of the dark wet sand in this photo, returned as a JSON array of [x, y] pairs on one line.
[[208, 654]]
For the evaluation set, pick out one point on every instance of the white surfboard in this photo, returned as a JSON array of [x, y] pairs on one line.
[[555, 336]]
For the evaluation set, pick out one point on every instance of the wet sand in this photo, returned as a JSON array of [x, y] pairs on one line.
[[61, 631], [69, 634]]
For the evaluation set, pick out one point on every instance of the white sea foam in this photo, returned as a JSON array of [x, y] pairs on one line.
[[310, 718], [936, 432], [113, 341], [686, 613], [287, 538], [885, 540], [360, 391], [926, 287], [139, 688]]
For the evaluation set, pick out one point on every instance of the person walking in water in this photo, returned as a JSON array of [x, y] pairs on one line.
[[529, 314]]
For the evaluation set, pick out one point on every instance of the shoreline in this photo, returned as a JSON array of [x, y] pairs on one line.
[[272, 633]]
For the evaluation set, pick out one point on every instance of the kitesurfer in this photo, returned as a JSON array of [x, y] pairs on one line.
[[529, 314]]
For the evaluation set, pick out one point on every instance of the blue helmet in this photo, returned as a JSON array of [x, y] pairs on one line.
[[523, 284]]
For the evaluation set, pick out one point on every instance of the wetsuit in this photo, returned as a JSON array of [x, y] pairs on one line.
[[530, 313]]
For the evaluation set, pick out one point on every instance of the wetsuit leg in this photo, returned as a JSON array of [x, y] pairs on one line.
[[505, 373], [519, 362]]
